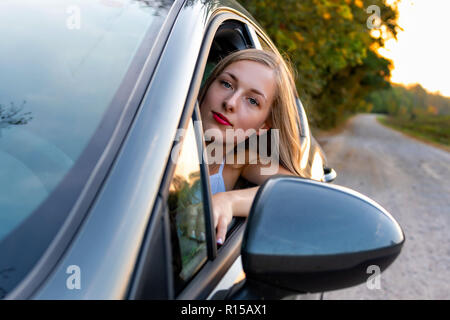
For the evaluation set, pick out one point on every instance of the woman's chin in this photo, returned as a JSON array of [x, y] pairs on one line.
[[212, 131]]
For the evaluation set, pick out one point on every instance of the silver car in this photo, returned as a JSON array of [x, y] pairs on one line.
[[92, 94]]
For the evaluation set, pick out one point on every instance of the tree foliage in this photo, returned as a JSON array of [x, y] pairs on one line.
[[330, 45], [408, 102]]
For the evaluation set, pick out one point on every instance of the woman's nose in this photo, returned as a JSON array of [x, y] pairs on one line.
[[230, 103]]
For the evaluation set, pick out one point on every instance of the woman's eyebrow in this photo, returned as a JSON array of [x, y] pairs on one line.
[[252, 89]]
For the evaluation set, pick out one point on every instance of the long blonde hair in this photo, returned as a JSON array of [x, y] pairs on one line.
[[284, 115]]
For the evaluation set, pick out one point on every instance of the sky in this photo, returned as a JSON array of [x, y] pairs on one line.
[[422, 52]]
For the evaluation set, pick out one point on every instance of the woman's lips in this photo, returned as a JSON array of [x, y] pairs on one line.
[[220, 118]]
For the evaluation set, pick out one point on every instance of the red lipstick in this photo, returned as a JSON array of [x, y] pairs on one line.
[[220, 118]]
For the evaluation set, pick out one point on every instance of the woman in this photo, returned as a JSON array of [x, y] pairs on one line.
[[248, 91]]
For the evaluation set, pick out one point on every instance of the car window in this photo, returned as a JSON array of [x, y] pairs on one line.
[[58, 108], [230, 36], [187, 211]]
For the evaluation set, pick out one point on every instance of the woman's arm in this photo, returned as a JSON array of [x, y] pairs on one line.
[[229, 204], [238, 202]]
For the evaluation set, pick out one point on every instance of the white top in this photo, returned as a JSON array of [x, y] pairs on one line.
[[216, 181]]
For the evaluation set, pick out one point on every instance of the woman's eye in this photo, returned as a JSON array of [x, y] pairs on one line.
[[226, 84], [253, 101]]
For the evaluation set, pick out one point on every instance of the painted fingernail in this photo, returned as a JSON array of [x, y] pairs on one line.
[[220, 241]]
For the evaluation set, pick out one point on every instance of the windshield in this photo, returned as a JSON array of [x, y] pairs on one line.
[[62, 64]]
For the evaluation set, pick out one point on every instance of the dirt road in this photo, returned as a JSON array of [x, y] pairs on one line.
[[412, 181]]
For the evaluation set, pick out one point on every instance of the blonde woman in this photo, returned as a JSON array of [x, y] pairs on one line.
[[248, 91]]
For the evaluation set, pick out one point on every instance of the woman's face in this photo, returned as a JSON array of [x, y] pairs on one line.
[[239, 98]]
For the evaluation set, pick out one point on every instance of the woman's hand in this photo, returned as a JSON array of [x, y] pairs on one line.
[[222, 205], [225, 205]]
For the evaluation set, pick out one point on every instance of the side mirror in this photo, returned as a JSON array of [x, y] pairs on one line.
[[304, 236]]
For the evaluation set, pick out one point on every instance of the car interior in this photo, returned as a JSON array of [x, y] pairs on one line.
[[231, 36]]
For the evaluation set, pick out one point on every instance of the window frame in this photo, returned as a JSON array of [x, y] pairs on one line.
[[171, 167], [219, 259]]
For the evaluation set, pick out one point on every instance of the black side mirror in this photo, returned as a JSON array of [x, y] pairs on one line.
[[304, 236]]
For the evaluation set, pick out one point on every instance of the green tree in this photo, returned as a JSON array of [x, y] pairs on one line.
[[331, 47]]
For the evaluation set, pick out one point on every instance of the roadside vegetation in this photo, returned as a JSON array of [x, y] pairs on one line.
[[414, 111]]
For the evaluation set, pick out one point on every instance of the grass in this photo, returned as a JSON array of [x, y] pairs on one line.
[[433, 129]]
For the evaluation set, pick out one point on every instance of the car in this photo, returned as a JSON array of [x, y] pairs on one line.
[[93, 97]]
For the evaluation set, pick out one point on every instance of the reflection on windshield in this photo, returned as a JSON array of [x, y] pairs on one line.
[[60, 70], [68, 77], [13, 116]]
